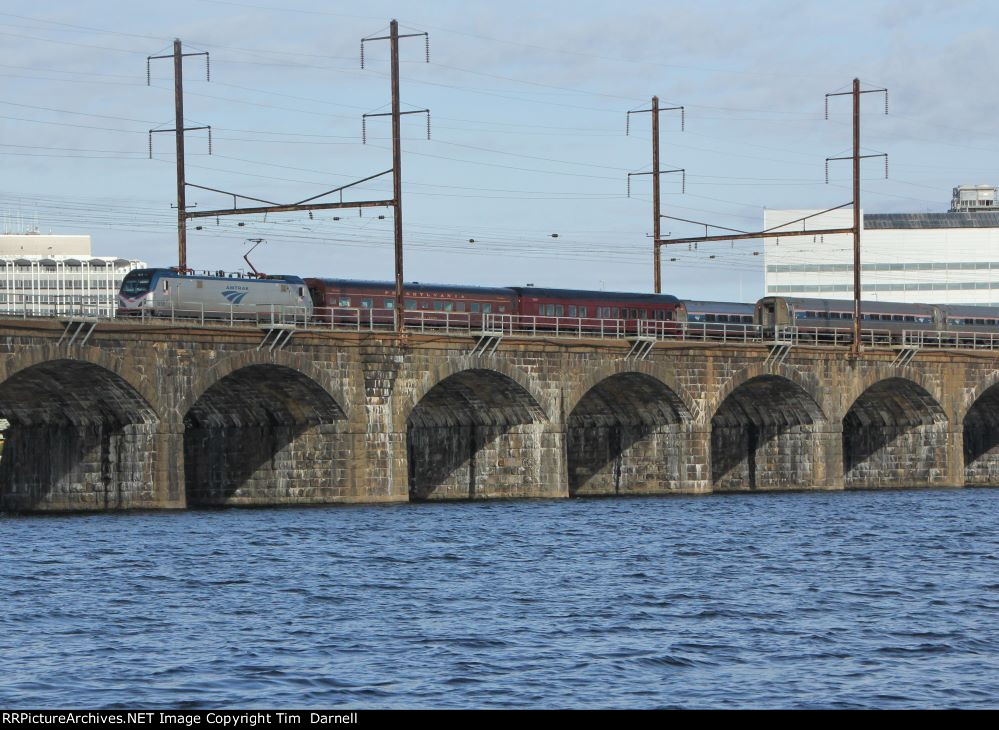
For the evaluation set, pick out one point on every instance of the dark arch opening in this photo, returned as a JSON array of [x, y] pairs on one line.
[[265, 434], [621, 437], [763, 437], [79, 438], [477, 433], [894, 435], [981, 440]]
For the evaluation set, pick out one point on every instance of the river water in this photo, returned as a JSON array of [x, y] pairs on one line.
[[857, 599]]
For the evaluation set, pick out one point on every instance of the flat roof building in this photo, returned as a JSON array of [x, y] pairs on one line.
[[46, 275], [934, 258]]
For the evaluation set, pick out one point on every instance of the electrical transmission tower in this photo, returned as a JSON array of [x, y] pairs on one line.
[[854, 229], [311, 203]]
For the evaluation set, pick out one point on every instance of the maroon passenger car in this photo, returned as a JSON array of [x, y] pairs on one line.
[[346, 300]]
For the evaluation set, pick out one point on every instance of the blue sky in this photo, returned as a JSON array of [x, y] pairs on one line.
[[528, 105]]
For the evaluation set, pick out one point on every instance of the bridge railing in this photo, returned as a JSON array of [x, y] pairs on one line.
[[724, 332], [945, 340], [836, 336], [525, 325]]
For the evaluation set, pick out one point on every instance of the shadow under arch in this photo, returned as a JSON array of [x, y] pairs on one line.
[[80, 438], [894, 435], [981, 439], [265, 434], [621, 437], [763, 436], [476, 433]]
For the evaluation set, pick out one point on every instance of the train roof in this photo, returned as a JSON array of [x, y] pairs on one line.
[[412, 286], [292, 278], [699, 307], [590, 294], [866, 305], [968, 310]]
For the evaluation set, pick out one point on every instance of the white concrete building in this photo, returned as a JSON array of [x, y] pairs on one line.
[[935, 258], [46, 275]]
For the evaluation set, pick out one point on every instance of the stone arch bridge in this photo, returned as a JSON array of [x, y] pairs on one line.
[[161, 416]]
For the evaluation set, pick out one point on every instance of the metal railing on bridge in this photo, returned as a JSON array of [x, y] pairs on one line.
[[945, 340], [835, 336], [438, 322]]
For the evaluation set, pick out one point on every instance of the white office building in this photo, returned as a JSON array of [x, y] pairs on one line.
[[934, 258], [51, 275]]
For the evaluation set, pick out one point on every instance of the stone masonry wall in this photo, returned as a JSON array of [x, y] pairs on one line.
[[131, 420]]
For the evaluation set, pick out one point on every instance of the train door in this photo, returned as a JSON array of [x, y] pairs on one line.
[[768, 313]]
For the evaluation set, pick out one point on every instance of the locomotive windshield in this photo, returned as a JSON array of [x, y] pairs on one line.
[[136, 282]]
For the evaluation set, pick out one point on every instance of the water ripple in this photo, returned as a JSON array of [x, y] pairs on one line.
[[828, 600]]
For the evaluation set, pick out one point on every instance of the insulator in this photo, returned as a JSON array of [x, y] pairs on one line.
[[148, 74], [311, 217], [209, 140], [364, 130], [426, 45], [827, 172], [683, 122], [886, 102], [827, 106], [629, 176], [886, 167], [428, 125], [627, 124], [683, 182], [208, 67], [150, 145], [695, 245], [362, 54]]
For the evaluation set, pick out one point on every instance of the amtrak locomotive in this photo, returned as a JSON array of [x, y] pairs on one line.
[[164, 292]]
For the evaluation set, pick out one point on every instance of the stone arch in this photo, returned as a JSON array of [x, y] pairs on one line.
[[265, 433], [291, 361], [980, 424], [124, 369], [622, 436], [768, 432], [425, 381], [806, 383], [894, 435], [857, 386], [644, 367], [479, 432], [81, 435]]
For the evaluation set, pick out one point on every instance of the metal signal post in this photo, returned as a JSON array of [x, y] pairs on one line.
[[179, 129], [656, 172], [856, 157], [393, 39]]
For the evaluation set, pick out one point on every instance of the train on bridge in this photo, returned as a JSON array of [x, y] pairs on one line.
[[210, 295]]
